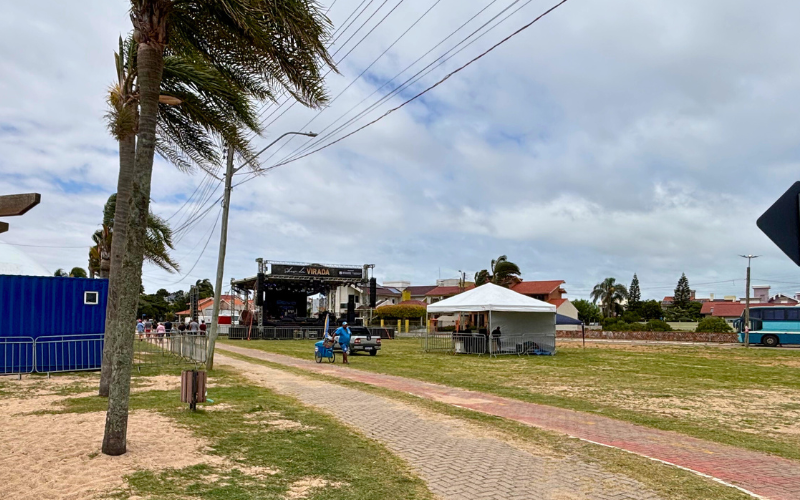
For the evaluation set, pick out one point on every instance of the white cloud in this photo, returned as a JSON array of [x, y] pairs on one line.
[[608, 139]]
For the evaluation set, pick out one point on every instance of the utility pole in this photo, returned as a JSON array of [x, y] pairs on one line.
[[223, 240], [747, 302]]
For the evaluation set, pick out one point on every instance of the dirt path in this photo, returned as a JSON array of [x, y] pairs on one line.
[[759, 474], [456, 459]]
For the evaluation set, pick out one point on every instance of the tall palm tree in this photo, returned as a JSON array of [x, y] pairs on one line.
[[256, 44], [610, 293], [502, 272], [197, 104]]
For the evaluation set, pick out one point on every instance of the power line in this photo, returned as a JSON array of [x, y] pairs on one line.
[[402, 35], [41, 246], [189, 272], [445, 78], [414, 78]]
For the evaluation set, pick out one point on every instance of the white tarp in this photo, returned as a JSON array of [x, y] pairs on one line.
[[490, 297]]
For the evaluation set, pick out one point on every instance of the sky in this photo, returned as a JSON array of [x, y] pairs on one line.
[[609, 138]]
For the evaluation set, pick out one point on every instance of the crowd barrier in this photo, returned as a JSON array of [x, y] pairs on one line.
[[465, 343], [69, 353]]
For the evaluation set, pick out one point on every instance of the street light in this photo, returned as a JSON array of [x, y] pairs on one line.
[[223, 240], [747, 302]]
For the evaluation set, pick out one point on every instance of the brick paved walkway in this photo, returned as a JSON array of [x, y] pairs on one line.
[[760, 474], [456, 459]]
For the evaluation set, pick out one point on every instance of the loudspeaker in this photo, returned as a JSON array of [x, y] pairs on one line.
[[260, 289], [351, 309], [373, 292]]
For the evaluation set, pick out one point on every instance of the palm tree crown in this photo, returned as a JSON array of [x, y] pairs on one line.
[[610, 293], [502, 272]]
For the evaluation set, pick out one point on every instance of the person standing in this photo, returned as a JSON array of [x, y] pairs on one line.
[[194, 327], [182, 327], [139, 327], [343, 332], [202, 327], [168, 326], [161, 329], [148, 326]]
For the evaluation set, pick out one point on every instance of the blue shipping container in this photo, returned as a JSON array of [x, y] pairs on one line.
[[65, 316]]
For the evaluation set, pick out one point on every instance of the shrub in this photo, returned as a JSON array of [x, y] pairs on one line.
[[631, 317], [400, 312], [713, 325], [657, 325]]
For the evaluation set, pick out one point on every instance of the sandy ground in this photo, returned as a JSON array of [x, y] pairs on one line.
[[58, 456]]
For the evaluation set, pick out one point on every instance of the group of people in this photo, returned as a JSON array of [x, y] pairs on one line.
[[166, 328]]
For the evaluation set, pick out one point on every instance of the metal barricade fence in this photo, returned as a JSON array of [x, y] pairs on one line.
[[17, 355], [68, 353], [469, 344], [438, 342], [169, 350]]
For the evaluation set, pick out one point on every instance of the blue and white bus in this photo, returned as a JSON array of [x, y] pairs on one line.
[[772, 326]]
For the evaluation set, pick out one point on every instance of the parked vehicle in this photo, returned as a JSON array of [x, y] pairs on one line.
[[772, 326], [362, 340]]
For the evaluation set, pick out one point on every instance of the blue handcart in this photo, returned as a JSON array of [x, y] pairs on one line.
[[320, 352]]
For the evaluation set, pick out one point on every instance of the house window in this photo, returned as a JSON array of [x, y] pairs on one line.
[[91, 298]]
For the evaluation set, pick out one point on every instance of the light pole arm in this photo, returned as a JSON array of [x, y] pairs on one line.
[[250, 161]]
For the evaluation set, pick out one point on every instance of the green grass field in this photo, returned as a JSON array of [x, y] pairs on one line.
[[307, 446], [743, 397]]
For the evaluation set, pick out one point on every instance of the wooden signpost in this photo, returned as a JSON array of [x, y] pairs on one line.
[[13, 205]]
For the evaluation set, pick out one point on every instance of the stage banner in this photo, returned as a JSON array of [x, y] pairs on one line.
[[314, 271]]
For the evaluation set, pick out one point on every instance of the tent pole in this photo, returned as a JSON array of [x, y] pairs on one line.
[[489, 332]]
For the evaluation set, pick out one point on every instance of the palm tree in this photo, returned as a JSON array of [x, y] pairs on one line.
[[77, 272], [610, 293], [255, 44], [502, 272], [157, 245], [197, 102]]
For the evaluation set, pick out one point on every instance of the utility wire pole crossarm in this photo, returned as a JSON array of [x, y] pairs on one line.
[[223, 242], [746, 325]]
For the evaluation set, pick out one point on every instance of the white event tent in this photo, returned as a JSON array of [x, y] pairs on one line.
[[522, 320]]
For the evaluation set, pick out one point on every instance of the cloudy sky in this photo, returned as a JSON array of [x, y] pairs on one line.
[[609, 138]]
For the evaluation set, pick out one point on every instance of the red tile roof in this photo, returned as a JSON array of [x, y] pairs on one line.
[[668, 299], [413, 303], [418, 290], [446, 291], [537, 287], [732, 309], [209, 302], [557, 302]]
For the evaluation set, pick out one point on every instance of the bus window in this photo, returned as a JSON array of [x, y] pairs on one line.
[[793, 314], [756, 313], [774, 314]]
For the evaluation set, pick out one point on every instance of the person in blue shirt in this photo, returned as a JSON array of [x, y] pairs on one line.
[[343, 332], [139, 327]]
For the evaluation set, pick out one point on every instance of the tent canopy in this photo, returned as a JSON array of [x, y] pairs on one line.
[[490, 297]]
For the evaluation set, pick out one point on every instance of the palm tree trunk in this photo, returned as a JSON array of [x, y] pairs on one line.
[[127, 163], [150, 64]]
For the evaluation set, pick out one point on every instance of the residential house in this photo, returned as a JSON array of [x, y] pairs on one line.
[[205, 308], [385, 295], [548, 291], [442, 292]]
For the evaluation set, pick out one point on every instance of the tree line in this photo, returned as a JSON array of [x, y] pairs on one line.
[[622, 308]]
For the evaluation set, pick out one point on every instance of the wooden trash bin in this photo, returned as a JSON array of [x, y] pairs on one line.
[[193, 387]]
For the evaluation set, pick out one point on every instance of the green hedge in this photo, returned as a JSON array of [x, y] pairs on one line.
[[400, 312], [713, 325]]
